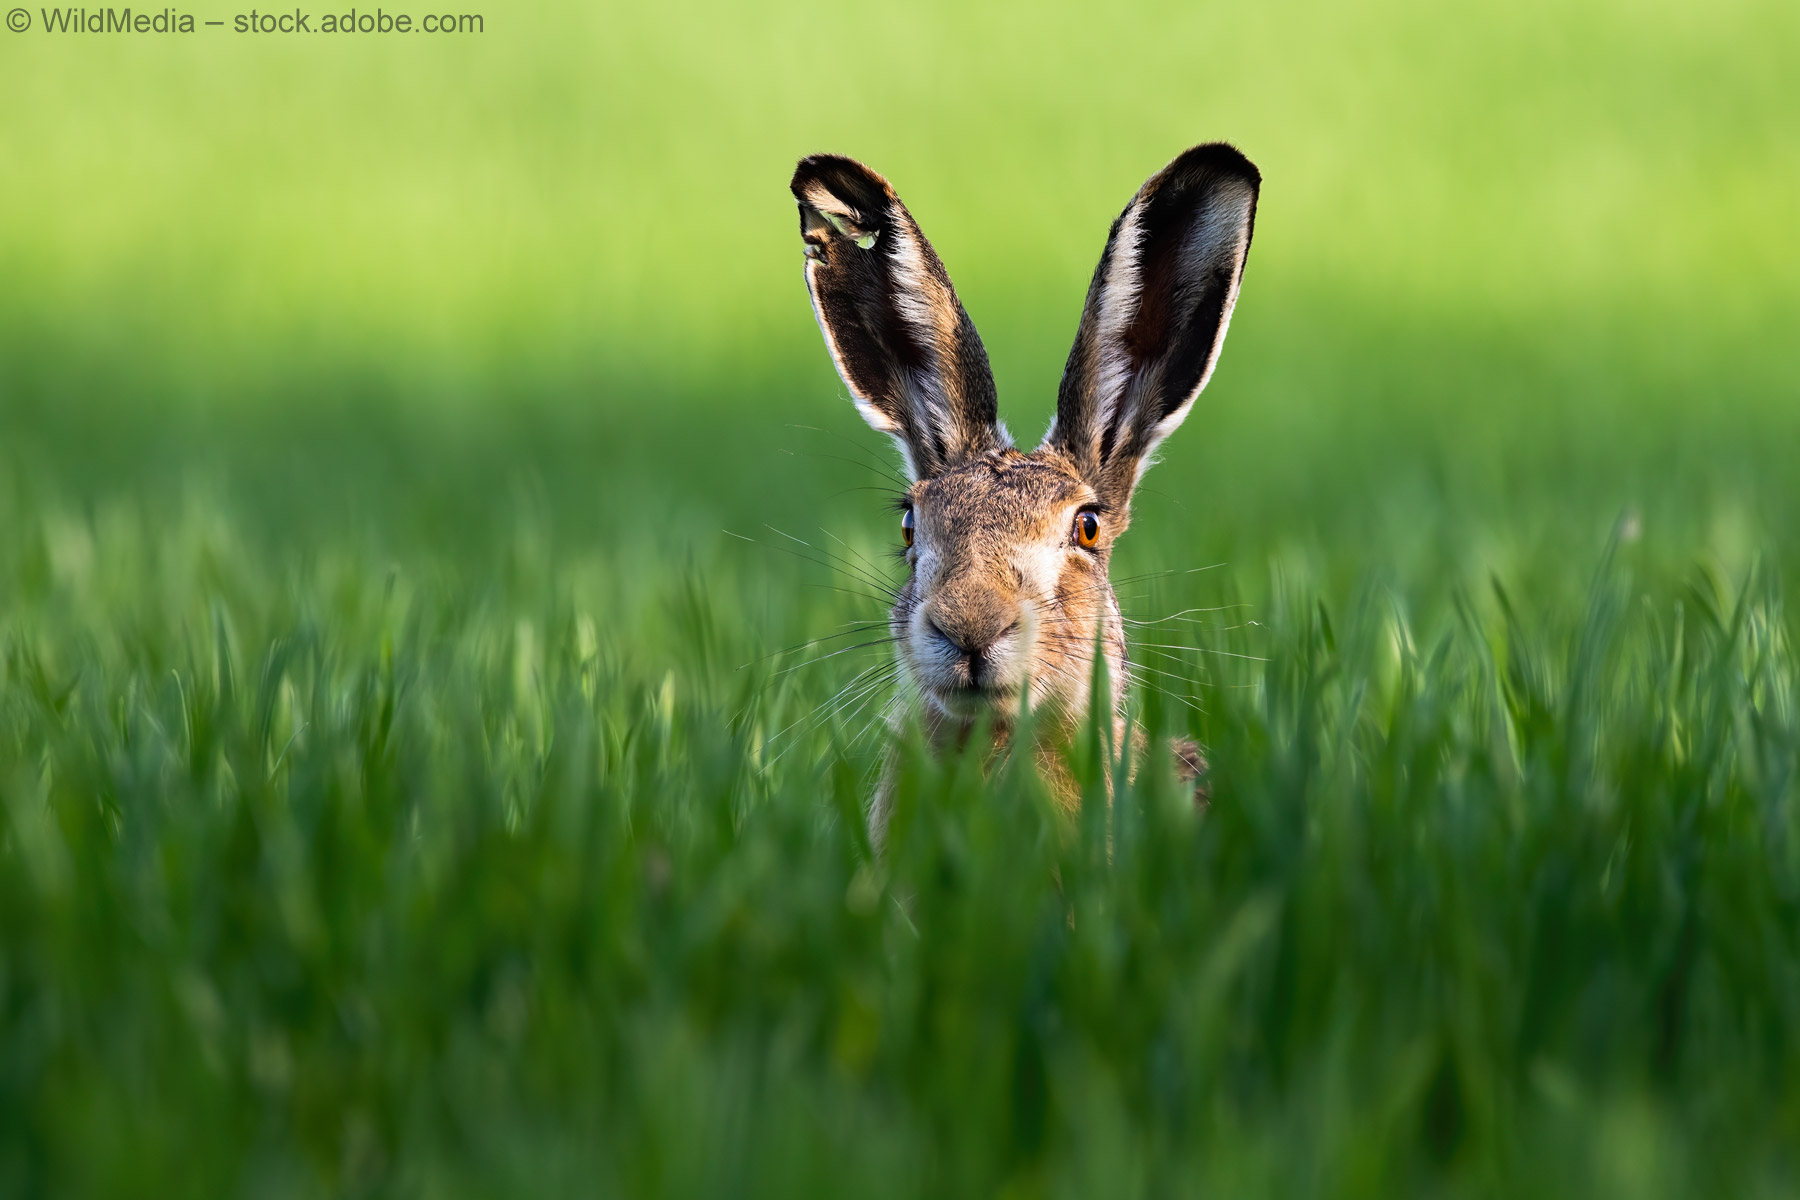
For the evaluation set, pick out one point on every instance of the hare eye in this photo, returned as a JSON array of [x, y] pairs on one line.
[[906, 527], [1087, 528]]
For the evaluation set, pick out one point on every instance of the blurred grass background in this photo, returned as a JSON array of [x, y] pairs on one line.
[[401, 390], [1530, 264]]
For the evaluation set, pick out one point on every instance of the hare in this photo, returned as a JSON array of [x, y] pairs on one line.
[[1007, 598]]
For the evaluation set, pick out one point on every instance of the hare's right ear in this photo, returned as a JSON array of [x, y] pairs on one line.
[[900, 338], [1156, 315]]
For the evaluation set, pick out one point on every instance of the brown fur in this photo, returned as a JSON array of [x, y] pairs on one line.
[[1005, 606]]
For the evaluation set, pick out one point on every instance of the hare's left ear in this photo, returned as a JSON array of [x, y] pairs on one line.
[[900, 338], [1156, 315]]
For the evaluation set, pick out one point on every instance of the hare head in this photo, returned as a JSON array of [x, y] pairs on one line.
[[1007, 599]]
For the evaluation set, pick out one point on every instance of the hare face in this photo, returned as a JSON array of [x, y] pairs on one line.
[[1005, 600]]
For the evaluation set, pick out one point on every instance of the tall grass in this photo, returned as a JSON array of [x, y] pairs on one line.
[[366, 880]]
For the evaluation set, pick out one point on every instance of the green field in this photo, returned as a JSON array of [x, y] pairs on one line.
[[406, 451]]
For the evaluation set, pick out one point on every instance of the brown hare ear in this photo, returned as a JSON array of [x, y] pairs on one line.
[[1156, 315], [900, 338]]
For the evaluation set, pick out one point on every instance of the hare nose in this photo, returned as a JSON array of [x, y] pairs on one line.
[[973, 638]]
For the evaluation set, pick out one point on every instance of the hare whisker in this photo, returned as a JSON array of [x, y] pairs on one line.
[[1216, 653], [859, 555], [852, 703], [850, 631], [885, 474], [1185, 614], [887, 593], [878, 582], [828, 587], [869, 460], [866, 682], [885, 641]]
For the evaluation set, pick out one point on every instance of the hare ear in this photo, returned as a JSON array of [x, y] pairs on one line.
[[900, 338], [1156, 315]]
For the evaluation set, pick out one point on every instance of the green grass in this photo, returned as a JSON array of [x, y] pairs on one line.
[[326, 876], [400, 793]]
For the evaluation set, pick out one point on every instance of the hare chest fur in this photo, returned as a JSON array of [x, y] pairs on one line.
[[1007, 602]]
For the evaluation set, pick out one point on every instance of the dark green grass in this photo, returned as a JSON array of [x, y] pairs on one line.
[[365, 882]]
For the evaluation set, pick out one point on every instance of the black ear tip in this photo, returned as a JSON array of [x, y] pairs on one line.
[[843, 177], [817, 166], [1215, 159]]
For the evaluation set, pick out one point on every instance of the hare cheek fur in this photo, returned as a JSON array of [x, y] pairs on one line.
[[1007, 602]]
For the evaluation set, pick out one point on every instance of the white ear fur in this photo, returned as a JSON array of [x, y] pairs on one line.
[[930, 313], [1218, 244], [1118, 306], [900, 340], [1156, 316]]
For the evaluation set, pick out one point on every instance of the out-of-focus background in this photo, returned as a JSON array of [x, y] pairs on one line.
[[404, 439], [1518, 269]]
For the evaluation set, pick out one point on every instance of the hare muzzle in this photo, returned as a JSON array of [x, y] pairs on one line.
[[996, 607]]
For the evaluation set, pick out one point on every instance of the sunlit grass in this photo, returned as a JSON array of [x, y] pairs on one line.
[[583, 182]]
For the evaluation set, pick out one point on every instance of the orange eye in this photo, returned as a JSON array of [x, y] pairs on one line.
[[1087, 528], [906, 527]]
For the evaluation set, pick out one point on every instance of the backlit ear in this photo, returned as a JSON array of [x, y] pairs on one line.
[[902, 343], [1156, 315]]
